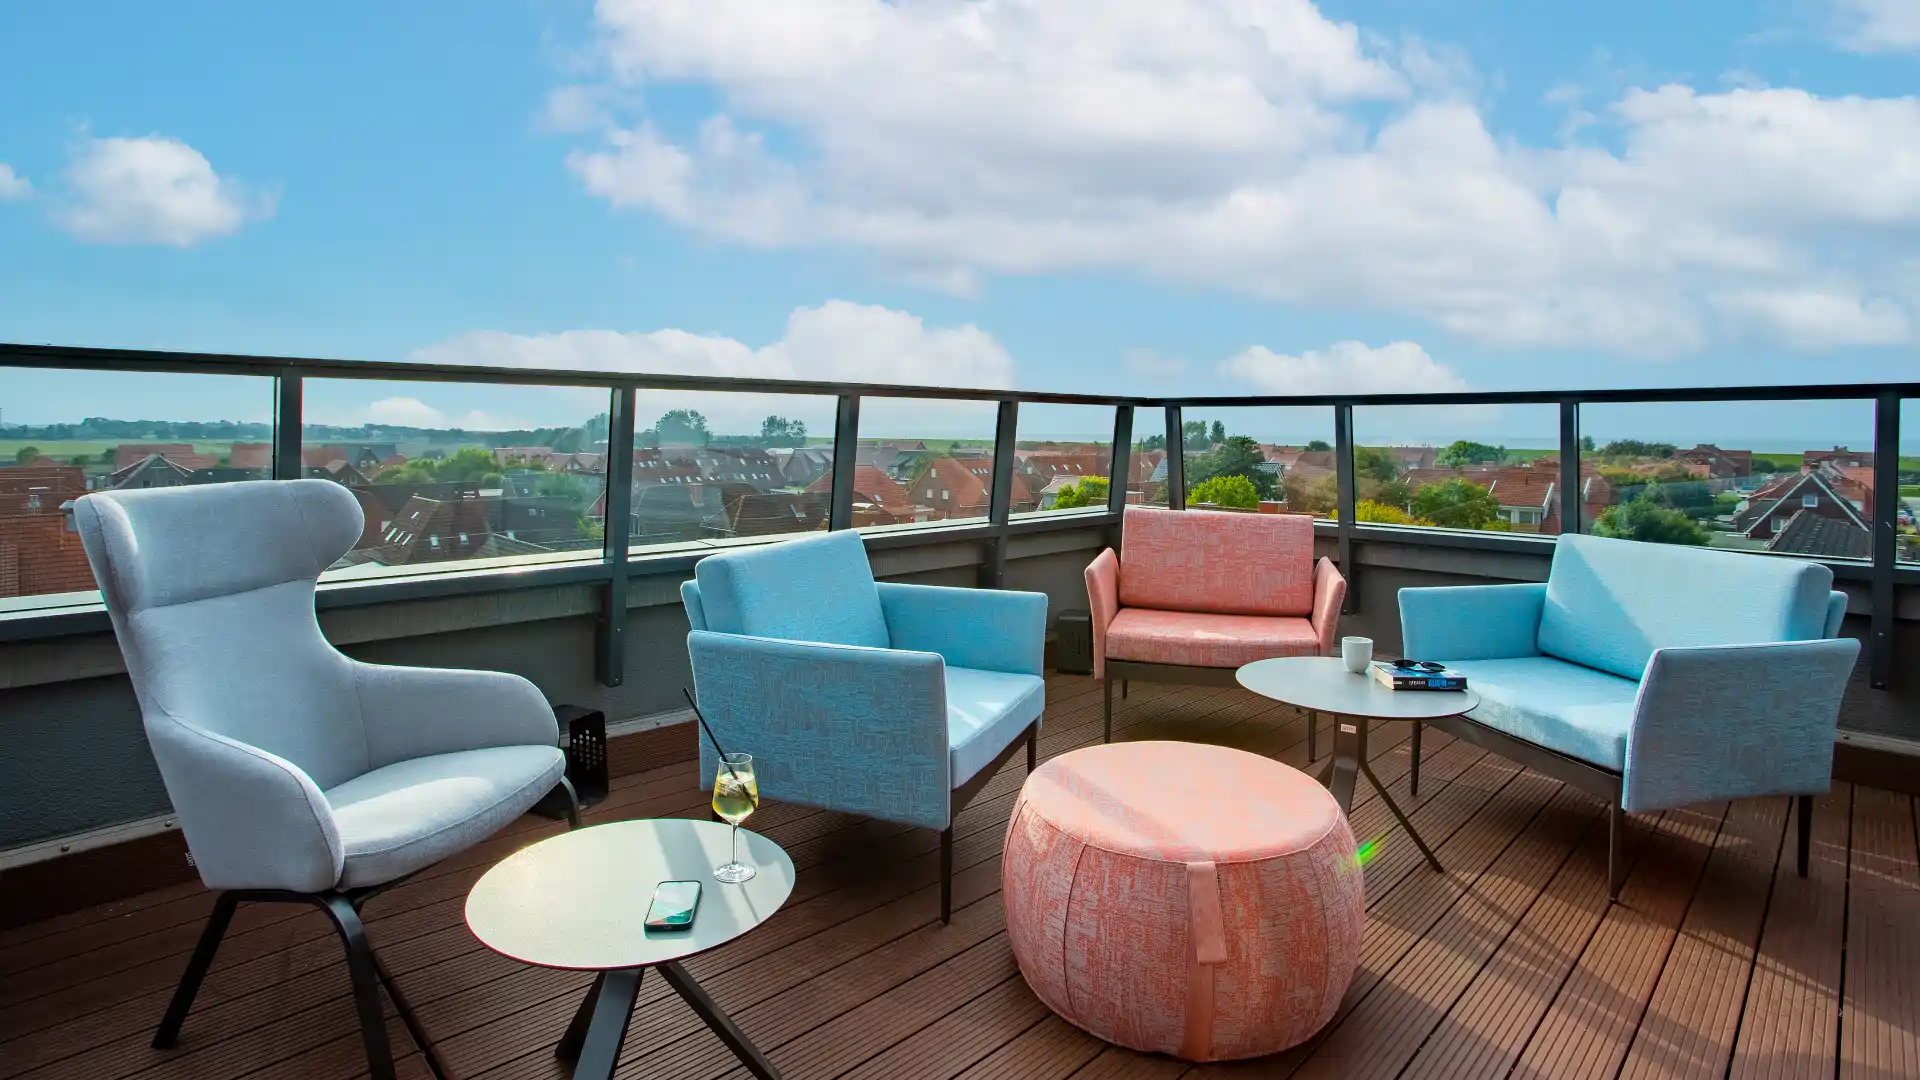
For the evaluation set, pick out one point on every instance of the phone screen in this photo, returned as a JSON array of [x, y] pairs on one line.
[[673, 905]]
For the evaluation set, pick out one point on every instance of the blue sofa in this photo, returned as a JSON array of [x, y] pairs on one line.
[[1654, 676], [892, 701]]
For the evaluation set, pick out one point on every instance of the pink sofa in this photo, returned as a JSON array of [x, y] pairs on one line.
[[1200, 593]]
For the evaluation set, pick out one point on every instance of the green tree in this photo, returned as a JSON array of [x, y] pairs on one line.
[[1374, 463], [1089, 491], [26, 455], [780, 431], [1381, 514], [1319, 444], [1586, 444], [1217, 434], [1388, 493], [1456, 504], [1634, 448], [1151, 442], [1647, 521], [1463, 452], [468, 463], [1232, 490], [577, 492], [682, 426], [1239, 455], [1318, 497], [1193, 435]]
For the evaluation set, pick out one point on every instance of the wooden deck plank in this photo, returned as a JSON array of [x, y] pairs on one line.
[[1693, 1018], [1791, 1025], [1050, 1050], [1586, 1031], [1880, 1013]]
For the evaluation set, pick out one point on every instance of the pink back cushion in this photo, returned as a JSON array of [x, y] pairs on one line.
[[1208, 560]]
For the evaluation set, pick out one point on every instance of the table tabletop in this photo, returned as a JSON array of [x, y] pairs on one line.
[[1323, 684], [579, 900]]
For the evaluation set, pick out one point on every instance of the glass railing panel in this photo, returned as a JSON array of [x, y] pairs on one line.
[[923, 462], [1064, 460], [65, 433], [1779, 477], [717, 468], [1482, 468], [1263, 459], [460, 475], [1907, 505]]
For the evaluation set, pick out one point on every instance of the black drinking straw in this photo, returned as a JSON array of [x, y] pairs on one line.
[[688, 694]]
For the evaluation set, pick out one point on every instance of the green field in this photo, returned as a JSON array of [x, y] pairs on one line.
[[64, 450]]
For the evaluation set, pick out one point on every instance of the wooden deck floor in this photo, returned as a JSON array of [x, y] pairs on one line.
[[1719, 961]]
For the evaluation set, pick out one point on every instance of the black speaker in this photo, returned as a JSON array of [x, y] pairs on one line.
[[583, 735], [1074, 637]]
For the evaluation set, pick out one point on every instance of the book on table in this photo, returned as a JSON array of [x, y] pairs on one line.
[[1398, 678]]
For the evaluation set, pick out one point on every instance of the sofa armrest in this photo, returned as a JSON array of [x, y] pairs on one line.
[[1731, 721], [253, 819], [1471, 622], [835, 726], [1103, 598], [414, 712], [994, 629], [1329, 592]]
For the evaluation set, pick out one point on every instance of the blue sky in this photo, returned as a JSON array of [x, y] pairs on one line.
[[1477, 193]]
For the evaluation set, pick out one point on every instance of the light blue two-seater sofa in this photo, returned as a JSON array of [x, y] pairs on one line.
[[1652, 675], [888, 700]]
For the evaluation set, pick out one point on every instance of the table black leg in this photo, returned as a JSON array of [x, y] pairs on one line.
[[568, 1048], [1349, 751], [723, 1026], [606, 1012], [1398, 813]]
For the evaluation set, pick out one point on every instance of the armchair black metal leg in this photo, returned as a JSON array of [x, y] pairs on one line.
[[1616, 851], [1413, 774], [1806, 832], [573, 803], [1123, 689], [1106, 690], [722, 1025], [946, 875], [366, 984], [196, 971], [612, 1010], [1033, 749]]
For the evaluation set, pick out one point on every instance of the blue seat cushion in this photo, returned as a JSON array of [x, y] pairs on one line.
[[818, 589], [1574, 710], [987, 710], [1610, 603]]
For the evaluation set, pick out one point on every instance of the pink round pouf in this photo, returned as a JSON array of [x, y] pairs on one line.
[[1186, 899]]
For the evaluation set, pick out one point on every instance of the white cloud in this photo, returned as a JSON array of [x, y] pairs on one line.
[[837, 341], [1877, 25], [1345, 367], [1152, 365], [412, 412], [1259, 146], [153, 190], [12, 184]]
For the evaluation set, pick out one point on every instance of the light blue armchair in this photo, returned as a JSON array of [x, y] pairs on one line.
[[1654, 676], [893, 701]]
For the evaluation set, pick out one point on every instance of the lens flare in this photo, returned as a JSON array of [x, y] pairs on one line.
[[1365, 852]]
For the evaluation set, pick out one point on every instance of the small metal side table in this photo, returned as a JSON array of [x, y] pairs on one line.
[[1323, 684], [578, 901]]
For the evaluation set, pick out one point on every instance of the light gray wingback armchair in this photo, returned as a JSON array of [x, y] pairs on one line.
[[297, 773]]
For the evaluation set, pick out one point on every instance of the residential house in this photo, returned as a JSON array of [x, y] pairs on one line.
[[1406, 458], [1769, 509], [773, 513], [154, 471], [805, 464], [1839, 455], [963, 488], [181, 454], [1811, 533], [474, 526], [40, 553], [251, 455], [1718, 464], [877, 499]]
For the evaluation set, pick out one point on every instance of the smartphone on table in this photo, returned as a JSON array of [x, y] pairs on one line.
[[673, 905]]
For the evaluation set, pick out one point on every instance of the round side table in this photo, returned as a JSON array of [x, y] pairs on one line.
[[1323, 684], [579, 901]]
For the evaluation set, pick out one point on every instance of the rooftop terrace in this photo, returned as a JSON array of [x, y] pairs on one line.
[[1718, 961]]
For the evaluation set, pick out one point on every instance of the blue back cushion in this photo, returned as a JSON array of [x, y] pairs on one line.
[[817, 589], [1610, 603]]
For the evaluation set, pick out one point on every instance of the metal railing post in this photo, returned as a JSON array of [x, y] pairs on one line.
[[1346, 500], [1886, 547], [846, 449], [1571, 504], [1176, 460], [610, 636], [993, 571], [288, 392], [1120, 468]]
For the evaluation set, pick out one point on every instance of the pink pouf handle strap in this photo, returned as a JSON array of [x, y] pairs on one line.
[[1207, 931]]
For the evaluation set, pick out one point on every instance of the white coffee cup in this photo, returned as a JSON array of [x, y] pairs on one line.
[[1356, 653]]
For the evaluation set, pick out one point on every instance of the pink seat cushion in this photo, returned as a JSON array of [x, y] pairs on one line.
[[1230, 564], [1185, 899], [1197, 639]]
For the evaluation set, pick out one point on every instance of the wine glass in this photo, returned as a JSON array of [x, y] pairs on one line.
[[736, 794]]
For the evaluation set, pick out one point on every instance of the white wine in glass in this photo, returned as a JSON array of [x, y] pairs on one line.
[[735, 795]]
